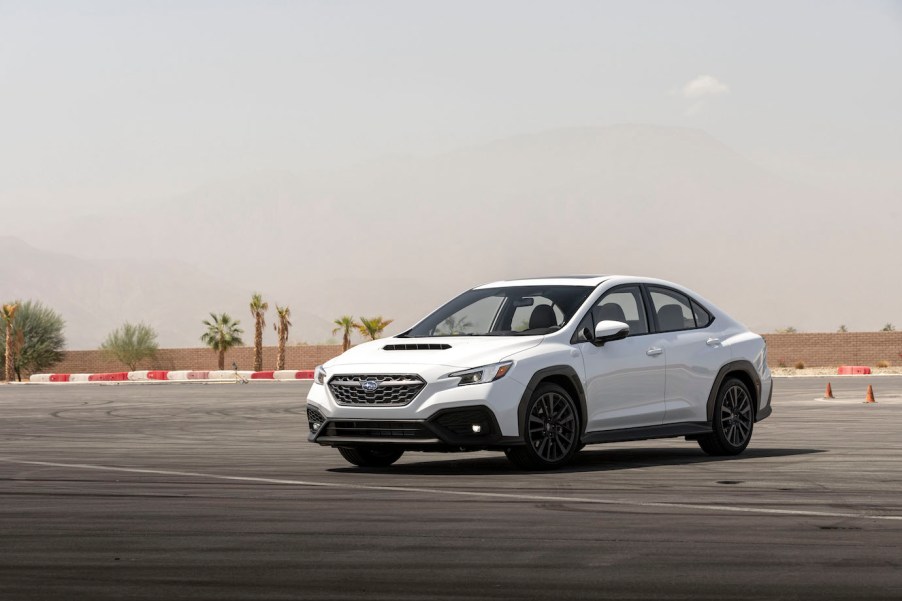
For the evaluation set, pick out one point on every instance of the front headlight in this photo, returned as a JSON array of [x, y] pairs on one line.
[[319, 375], [480, 375]]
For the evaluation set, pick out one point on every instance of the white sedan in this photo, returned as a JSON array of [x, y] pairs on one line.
[[539, 368]]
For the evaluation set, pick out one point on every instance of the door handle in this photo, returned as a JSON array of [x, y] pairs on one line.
[[713, 341], [654, 351]]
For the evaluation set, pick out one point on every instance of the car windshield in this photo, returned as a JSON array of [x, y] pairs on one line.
[[504, 311]]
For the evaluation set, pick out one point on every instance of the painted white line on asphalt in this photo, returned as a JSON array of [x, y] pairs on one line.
[[463, 493]]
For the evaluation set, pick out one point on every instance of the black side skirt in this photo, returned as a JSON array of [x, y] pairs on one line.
[[645, 433]]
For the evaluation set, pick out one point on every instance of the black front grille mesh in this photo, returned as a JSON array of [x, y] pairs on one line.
[[376, 429], [375, 390]]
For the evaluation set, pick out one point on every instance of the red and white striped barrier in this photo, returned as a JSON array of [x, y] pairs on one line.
[[292, 374], [158, 375], [137, 376]]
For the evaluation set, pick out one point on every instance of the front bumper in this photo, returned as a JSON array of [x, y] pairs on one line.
[[439, 395], [451, 429]]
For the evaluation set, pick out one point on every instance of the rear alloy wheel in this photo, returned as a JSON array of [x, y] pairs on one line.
[[734, 420], [370, 456], [551, 431]]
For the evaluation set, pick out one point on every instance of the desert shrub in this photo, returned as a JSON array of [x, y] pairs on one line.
[[882, 363], [800, 365], [781, 363], [131, 343]]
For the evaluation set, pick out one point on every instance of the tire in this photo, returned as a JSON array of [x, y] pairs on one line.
[[733, 421], [551, 430], [370, 456]]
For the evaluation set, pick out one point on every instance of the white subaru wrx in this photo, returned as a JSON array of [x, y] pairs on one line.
[[539, 368]]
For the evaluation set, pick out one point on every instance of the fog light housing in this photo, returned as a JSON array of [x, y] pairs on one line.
[[315, 419]]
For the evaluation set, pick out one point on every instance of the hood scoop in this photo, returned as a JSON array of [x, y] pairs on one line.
[[416, 346]]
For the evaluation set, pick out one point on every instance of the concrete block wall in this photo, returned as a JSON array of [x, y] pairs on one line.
[[832, 349]]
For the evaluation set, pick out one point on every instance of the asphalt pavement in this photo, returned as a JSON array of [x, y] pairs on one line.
[[210, 491]]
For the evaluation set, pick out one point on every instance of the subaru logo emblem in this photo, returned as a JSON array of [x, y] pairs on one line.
[[369, 385]]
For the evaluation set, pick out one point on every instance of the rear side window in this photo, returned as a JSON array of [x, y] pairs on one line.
[[673, 309], [702, 317]]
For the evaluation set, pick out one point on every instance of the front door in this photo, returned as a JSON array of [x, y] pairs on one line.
[[624, 378]]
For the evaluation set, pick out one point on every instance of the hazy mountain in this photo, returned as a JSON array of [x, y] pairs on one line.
[[96, 296], [399, 236]]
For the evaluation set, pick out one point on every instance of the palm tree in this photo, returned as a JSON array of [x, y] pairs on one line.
[[346, 325], [8, 313], [281, 329], [222, 334], [372, 327], [258, 308]]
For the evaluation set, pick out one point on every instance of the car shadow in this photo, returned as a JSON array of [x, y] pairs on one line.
[[588, 460]]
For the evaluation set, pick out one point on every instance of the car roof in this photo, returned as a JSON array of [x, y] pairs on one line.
[[554, 280], [582, 280]]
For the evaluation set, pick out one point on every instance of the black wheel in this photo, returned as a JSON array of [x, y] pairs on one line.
[[551, 431], [371, 456], [733, 420]]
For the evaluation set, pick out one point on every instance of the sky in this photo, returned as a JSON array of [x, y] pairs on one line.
[[103, 103], [114, 106]]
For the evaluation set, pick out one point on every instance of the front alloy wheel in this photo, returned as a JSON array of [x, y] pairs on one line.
[[551, 431], [734, 420]]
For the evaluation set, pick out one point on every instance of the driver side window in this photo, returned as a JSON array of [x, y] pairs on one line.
[[623, 304]]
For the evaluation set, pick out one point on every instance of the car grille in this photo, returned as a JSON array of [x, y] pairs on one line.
[[375, 390], [376, 429]]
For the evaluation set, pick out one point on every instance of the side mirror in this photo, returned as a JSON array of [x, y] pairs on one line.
[[607, 331]]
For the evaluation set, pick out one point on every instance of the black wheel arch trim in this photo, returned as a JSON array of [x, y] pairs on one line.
[[747, 369], [543, 374]]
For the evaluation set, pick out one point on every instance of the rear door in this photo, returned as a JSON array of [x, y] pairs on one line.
[[693, 350]]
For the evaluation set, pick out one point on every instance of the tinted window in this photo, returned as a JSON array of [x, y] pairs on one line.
[[623, 304], [475, 318], [702, 317], [672, 309], [522, 314], [504, 311]]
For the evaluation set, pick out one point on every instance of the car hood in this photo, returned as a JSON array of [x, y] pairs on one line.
[[462, 351]]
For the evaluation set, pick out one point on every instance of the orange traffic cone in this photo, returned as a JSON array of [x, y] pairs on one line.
[[870, 397], [828, 394]]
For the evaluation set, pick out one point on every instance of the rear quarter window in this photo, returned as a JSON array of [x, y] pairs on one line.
[[702, 318]]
